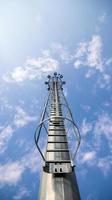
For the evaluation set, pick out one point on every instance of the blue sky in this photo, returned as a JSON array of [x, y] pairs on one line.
[[38, 38]]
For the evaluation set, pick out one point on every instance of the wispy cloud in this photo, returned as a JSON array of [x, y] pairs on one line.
[[63, 53], [86, 127], [109, 61], [91, 196], [88, 157], [21, 118], [32, 69], [22, 193], [31, 161], [103, 17], [105, 164], [11, 172], [103, 128], [2, 127], [5, 136], [90, 152], [104, 81], [86, 108], [90, 54]]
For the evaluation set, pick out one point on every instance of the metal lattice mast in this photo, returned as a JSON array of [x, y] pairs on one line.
[[58, 180]]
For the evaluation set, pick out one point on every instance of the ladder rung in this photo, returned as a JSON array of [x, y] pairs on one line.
[[56, 125], [58, 150], [57, 135], [56, 129], [56, 142], [58, 161]]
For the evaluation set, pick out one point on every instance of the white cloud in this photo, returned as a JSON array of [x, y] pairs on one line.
[[105, 81], [91, 196], [65, 92], [62, 52], [88, 157], [86, 108], [90, 73], [5, 136], [81, 50], [90, 153], [102, 18], [78, 63], [94, 53], [22, 118], [22, 193], [103, 127], [10, 173], [21, 143], [2, 127], [107, 104], [108, 61], [90, 54], [105, 165], [32, 69], [86, 127], [31, 161], [46, 53]]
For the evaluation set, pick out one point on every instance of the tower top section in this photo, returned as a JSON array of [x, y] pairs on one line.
[[55, 79]]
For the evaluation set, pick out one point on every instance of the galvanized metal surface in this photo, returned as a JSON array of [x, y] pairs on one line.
[[58, 180], [59, 187]]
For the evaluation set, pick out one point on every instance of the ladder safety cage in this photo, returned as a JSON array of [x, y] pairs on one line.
[[49, 116]]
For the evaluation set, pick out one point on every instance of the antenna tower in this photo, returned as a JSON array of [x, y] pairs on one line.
[[58, 129]]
